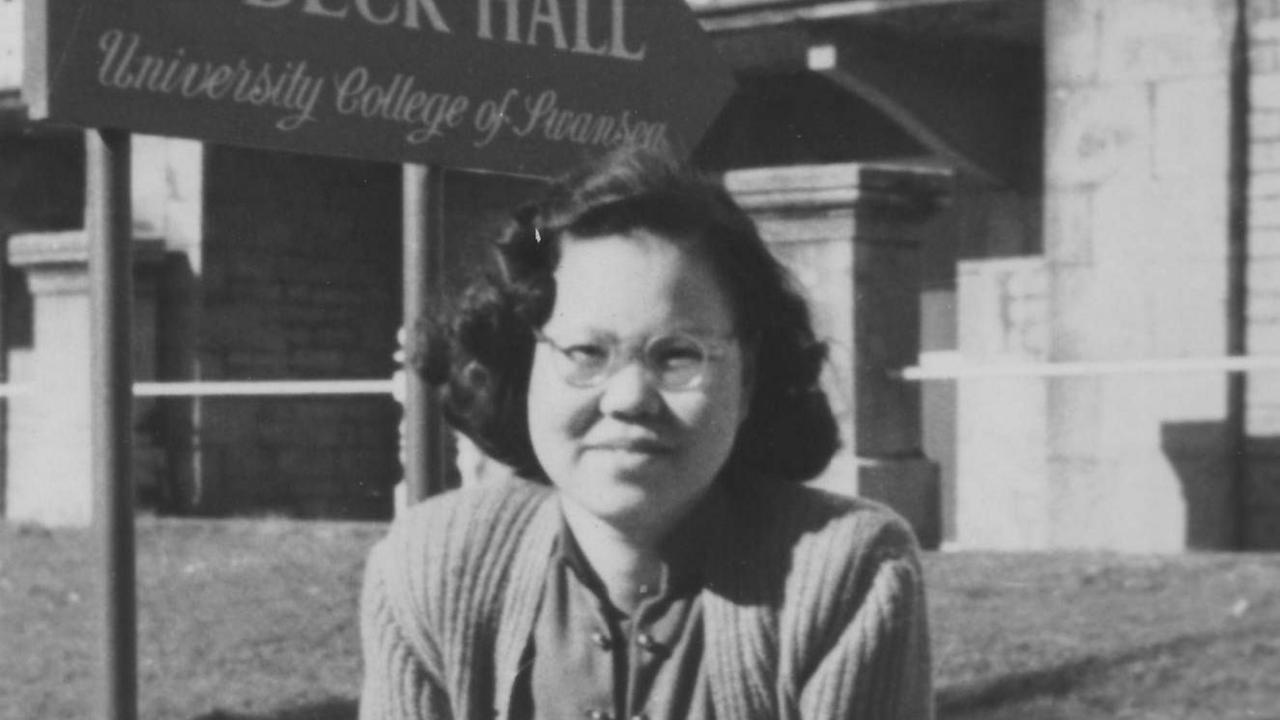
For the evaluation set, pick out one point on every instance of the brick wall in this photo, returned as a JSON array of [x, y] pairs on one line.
[[41, 182], [300, 279]]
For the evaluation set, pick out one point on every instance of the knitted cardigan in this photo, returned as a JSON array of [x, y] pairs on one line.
[[813, 606]]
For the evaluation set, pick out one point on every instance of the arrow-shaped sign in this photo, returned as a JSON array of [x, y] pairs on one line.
[[527, 87]]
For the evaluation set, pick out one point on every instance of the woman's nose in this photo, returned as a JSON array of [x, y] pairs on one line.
[[630, 391]]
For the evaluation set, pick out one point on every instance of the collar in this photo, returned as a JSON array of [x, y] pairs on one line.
[[683, 552]]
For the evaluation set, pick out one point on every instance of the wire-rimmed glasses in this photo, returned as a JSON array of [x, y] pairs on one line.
[[676, 361]]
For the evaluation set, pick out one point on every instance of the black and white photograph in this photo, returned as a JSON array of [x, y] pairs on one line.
[[639, 359]]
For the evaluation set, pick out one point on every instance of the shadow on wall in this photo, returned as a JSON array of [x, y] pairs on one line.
[[330, 709], [1200, 455], [1262, 494]]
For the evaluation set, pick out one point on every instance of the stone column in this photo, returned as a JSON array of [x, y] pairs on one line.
[[849, 234], [50, 462], [1003, 493], [1138, 250]]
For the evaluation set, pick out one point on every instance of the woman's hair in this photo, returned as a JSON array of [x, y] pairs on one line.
[[479, 351]]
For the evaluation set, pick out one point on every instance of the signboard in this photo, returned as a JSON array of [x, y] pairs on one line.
[[527, 87]]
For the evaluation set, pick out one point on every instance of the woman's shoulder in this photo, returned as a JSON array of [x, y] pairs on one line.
[[481, 524], [492, 506], [809, 517], [808, 553], [826, 551]]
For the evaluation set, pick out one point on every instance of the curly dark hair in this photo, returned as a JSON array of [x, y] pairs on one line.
[[479, 350]]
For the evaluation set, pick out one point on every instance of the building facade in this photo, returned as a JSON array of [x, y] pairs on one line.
[[992, 188]]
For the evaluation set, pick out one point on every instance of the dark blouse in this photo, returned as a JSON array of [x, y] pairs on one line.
[[590, 660]]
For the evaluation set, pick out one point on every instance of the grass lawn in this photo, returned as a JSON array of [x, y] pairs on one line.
[[254, 620]]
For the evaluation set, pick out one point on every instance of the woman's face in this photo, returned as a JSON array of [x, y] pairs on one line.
[[628, 451]]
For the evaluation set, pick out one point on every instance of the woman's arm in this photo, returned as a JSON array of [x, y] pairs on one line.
[[397, 685], [879, 667]]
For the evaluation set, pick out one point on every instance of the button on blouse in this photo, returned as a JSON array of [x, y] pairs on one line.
[[590, 660]]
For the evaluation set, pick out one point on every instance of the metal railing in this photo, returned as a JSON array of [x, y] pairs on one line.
[[244, 388], [951, 366], [252, 388]]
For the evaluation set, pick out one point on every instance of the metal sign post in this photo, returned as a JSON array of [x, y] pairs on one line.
[[107, 217], [425, 435]]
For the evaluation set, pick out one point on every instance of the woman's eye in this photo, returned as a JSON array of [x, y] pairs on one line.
[[676, 355], [587, 354]]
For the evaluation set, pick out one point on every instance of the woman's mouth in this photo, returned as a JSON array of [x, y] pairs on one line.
[[640, 446]]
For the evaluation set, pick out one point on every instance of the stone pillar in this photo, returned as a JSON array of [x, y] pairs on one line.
[[1003, 494], [848, 232], [11, 24], [1137, 244], [50, 470]]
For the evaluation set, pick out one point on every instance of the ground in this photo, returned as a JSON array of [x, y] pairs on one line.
[[254, 620]]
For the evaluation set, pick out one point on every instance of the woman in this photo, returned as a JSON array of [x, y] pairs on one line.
[[640, 361]]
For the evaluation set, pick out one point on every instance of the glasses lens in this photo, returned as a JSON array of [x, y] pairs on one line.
[[678, 361], [584, 363]]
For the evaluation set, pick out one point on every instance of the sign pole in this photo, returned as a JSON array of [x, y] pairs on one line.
[[425, 437], [109, 225]]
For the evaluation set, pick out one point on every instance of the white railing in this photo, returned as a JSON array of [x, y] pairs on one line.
[[949, 366], [265, 387], [245, 388], [936, 366]]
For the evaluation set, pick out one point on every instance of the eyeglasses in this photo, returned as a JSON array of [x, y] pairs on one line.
[[676, 361]]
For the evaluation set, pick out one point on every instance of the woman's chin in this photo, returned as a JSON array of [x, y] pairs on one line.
[[626, 472], [628, 490], [620, 501]]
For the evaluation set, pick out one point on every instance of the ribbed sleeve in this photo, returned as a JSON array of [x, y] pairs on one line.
[[878, 665], [397, 683], [441, 597], [816, 610]]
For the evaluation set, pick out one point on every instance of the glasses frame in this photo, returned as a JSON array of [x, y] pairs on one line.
[[714, 348]]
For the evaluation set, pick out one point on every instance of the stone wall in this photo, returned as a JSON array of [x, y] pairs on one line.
[[979, 222], [850, 235], [10, 43], [1003, 494], [48, 461], [41, 190]]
